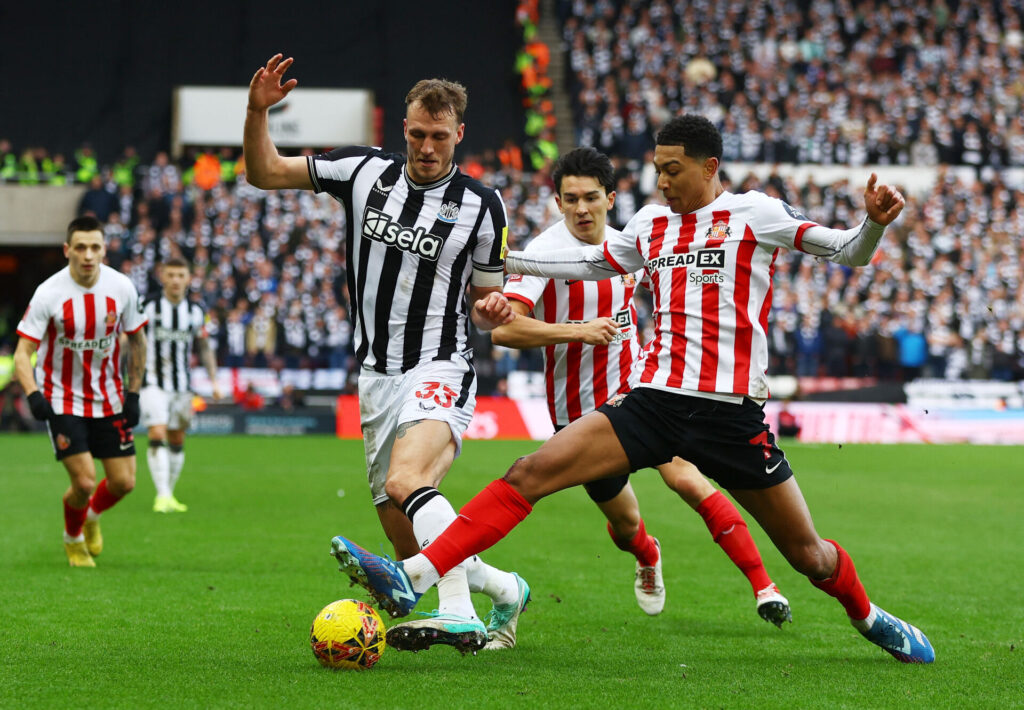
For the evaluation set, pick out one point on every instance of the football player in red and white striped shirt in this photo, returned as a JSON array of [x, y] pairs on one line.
[[589, 333], [709, 256], [74, 320]]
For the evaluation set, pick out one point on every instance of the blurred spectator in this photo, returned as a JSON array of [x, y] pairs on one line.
[[250, 400]]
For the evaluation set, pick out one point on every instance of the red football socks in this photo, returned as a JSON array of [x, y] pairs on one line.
[[642, 546], [484, 520], [102, 498], [844, 585], [730, 531], [74, 519]]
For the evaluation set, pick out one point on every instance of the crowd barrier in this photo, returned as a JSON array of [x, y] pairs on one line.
[[820, 422]]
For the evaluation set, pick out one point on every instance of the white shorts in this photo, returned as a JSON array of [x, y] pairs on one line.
[[163, 408], [443, 390]]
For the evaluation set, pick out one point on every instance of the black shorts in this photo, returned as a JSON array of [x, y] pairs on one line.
[[727, 442], [104, 438], [604, 489]]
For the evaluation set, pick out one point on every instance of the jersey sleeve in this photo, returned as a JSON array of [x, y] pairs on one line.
[[491, 242], [36, 319], [134, 315], [329, 172], [526, 289], [777, 224], [199, 320], [621, 249]]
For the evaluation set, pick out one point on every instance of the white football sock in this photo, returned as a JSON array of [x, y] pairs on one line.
[[499, 585], [453, 594], [429, 521], [175, 460], [421, 573], [159, 469]]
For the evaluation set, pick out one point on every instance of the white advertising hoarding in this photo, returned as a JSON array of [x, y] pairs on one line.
[[314, 118]]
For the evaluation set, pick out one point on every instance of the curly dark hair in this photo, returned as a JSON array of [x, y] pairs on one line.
[[584, 162], [695, 133]]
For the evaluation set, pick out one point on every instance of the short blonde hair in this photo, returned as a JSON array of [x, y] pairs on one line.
[[439, 96]]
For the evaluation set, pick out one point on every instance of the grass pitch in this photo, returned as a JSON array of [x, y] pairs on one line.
[[212, 608]]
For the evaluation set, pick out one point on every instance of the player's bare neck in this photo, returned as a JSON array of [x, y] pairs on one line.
[[85, 281]]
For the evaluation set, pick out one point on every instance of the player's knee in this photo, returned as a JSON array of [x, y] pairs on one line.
[[523, 476], [84, 485], [810, 558], [401, 484], [156, 443]]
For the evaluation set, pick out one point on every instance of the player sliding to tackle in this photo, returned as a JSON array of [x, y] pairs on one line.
[[592, 352], [709, 254]]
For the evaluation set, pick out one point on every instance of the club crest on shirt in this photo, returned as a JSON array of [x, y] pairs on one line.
[[63, 442], [449, 212], [111, 319], [616, 400], [628, 280], [720, 231]]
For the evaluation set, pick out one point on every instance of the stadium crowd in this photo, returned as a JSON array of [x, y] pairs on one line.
[[830, 82], [786, 81]]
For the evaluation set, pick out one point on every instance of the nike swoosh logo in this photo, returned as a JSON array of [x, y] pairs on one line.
[[125, 447], [771, 470]]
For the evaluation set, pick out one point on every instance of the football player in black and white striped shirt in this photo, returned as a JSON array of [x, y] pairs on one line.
[[419, 233], [174, 323]]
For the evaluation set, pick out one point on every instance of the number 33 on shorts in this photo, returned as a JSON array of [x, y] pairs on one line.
[[441, 394]]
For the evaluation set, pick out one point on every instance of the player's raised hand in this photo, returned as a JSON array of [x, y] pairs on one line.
[[883, 202], [600, 331], [266, 88], [492, 310]]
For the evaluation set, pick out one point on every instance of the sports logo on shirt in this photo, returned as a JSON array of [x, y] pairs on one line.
[[794, 213], [111, 319], [63, 442], [449, 212], [381, 188], [720, 231], [380, 227]]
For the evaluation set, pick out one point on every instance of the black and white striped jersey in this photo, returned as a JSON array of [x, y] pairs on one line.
[[169, 335], [411, 251]]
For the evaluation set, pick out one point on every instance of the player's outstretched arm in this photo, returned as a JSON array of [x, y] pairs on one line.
[[490, 308], [883, 202], [526, 332], [264, 166]]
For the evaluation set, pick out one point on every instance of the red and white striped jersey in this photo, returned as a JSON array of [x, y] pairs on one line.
[[710, 274], [579, 377], [76, 329]]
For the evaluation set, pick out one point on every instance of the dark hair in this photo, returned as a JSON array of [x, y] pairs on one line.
[[695, 133], [585, 162], [176, 261], [88, 223], [439, 96]]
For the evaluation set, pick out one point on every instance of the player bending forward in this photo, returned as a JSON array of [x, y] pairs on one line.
[[419, 233], [591, 352], [174, 322], [709, 255], [74, 319]]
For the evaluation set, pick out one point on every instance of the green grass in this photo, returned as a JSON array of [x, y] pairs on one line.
[[212, 608]]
